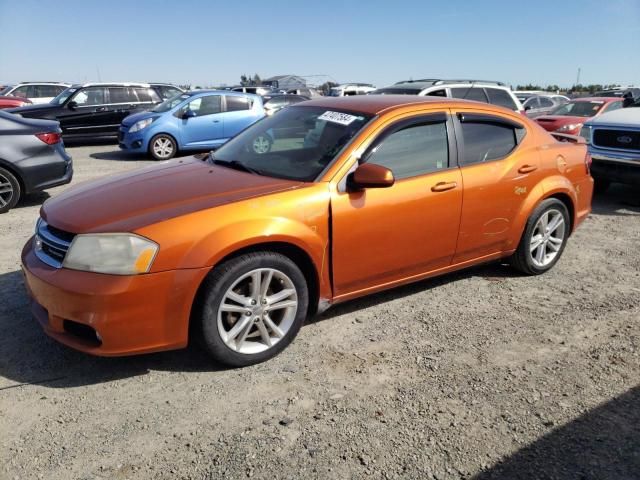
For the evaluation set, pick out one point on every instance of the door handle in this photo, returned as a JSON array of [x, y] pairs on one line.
[[443, 186], [101, 109], [527, 169]]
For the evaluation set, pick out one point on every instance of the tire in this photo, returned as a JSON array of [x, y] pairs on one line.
[[532, 260], [162, 147], [262, 144], [241, 333], [9, 190], [600, 185]]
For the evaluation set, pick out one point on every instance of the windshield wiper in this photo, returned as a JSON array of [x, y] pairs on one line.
[[235, 164]]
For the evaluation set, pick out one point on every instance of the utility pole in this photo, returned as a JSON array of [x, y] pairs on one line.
[[578, 78]]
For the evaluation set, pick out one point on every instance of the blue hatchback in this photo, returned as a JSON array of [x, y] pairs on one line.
[[199, 120]]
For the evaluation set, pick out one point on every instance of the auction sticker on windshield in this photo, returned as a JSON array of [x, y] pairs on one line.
[[338, 117]]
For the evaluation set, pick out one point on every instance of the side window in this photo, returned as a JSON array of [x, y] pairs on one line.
[[532, 103], [90, 96], [122, 95], [146, 95], [237, 103], [168, 92], [485, 141], [47, 91], [469, 93], [613, 106], [501, 97], [415, 150], [22, 92], [437, 93], [210, 105], [545, 102]]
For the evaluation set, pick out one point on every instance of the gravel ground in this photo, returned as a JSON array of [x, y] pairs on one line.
[[480, 374]]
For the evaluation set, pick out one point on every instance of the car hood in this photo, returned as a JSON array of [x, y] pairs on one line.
[[552, 122], [130, 201], [136, 117], [623, 117]]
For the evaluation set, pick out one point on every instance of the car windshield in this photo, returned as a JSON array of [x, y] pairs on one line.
[[296, 144], [62, 96], [5, 90], [170, 103], [578, 109]]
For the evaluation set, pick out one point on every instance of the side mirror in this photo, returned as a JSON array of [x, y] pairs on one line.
[[188, 113], [72, 105], [527, 108], [369, 175]]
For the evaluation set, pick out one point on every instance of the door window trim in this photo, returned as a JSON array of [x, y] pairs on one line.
[[422, 119], [473, 117]]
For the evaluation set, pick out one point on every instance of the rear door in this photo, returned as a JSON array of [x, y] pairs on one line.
[[500, 166], [238, 114], [205, 128], [123, 101]]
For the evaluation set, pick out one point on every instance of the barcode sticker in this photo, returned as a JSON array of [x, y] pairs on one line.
[[338, 117]]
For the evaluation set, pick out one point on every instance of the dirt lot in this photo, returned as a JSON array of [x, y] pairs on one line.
[[481, 374]]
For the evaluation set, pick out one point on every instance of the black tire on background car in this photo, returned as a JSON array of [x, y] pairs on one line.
[[9, 190], [251, 308], [544, 238], [163, 147]]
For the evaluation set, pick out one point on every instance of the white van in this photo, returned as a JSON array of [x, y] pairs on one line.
[[347, 89]]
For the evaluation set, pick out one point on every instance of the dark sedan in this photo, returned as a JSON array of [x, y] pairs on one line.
[[32, 158]]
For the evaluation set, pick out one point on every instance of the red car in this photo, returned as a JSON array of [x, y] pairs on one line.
[[570, 117], [11, 102]]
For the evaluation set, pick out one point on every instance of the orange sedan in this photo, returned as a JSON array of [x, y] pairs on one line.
[[326, 201]]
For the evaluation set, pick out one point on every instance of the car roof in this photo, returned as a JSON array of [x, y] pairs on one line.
[[376, 104], [112, 84]]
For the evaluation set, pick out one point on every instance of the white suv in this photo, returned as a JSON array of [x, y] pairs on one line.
[[37, 92], [496, 93], [347, 89]]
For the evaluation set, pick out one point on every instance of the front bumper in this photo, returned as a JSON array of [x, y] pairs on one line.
[[616, 167], [129, 314], [131, 142]]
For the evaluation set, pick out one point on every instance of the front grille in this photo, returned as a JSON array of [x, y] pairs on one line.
[[619, 139], [51, 244]]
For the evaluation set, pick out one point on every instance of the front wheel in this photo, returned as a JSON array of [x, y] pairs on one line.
[[252, 308], [162, 147], [544, 239]]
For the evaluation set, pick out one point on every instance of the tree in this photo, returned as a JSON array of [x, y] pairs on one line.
[[326, 87]]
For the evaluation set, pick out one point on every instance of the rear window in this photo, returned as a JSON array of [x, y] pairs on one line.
[[501, 98]]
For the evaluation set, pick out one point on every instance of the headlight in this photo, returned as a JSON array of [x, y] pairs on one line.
[[141, 124], [568, 128], [115, 253], [585, 132]]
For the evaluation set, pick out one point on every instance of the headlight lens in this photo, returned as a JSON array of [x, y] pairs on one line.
[[585, 132], [117, 253], [569, 127], [141, 124]]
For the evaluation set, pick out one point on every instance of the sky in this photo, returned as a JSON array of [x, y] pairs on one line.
[[208, 43]]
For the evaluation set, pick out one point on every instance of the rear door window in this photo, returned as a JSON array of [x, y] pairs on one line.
[[122, 95], [500, 97], [147, 95], [469, 93], [485, 141], [235, 103]]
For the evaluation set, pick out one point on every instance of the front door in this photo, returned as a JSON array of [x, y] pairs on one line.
[[87, 112], [205, 128], [389, 234]]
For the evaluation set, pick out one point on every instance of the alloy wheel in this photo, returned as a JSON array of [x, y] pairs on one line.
[[261, 145], [257, 311], [547, 238], [6, 191], [163, 147]]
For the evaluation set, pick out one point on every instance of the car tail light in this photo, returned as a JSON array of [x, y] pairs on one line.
[[49, 138], [587, 162]]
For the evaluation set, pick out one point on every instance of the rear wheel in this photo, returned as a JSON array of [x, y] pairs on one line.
[[9, 190], [252, 307], [544, 239], [162, 147]]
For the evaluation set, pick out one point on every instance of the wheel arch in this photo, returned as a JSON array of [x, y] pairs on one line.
[[168, 134], [16, 173]]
